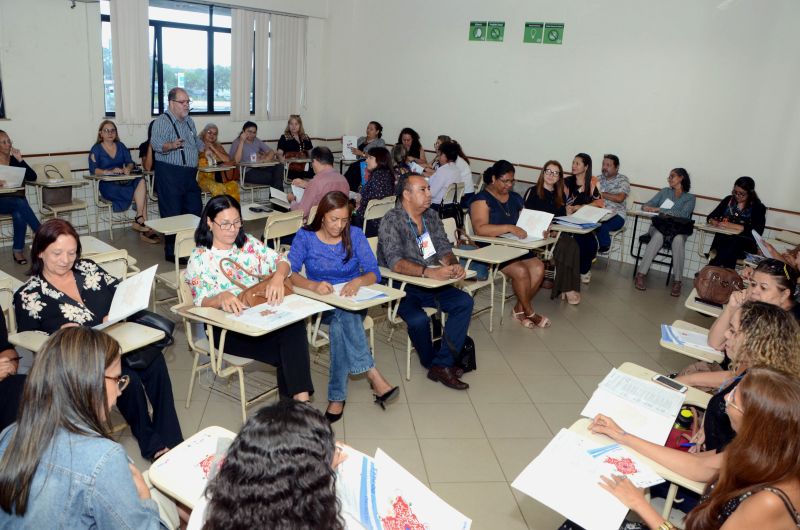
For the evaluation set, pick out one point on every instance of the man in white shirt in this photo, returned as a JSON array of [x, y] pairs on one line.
[[446, 174]]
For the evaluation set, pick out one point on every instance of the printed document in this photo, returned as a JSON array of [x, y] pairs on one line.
[[683, 337], [667, 204], [363, 294], [761, 245], [534, 223], [12, 176], [271, 317], [348, 143], [132, 295], [643, 408], [278, 197], [586, 215], [297, 191]]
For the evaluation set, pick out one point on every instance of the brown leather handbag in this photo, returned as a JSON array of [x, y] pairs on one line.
[[296, 166], [255, 294], [715, 284]]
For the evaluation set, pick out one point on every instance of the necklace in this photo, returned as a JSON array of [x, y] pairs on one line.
[[503, 205]]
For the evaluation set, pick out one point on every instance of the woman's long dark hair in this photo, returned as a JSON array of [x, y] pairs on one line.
[[334, 200], [766, 446], [277, 474], [686, 181], [65, 389], [203, 237], [497, 170], [558, 189], [45, 236], [382, 157], [748, 185], [416, 147]]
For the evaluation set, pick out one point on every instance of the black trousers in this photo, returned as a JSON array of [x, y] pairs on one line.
[[731, 248], [10, 395], [178, 194], [153, 383], [286, 349]]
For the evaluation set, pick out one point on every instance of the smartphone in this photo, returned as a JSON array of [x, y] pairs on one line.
[[669, 383]]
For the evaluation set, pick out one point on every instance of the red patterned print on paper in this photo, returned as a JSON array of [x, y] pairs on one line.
[[625, 465], [205, 464], [403, 518]]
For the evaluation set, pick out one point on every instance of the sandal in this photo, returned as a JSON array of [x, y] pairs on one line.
[[149, 237], [19, 261], [540, 321], [572, 297], [140, 227], [524, 320]]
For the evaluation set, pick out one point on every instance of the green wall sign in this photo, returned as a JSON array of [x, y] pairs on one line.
[[495, 31], [553, 33], [477, 31], [533, 32]]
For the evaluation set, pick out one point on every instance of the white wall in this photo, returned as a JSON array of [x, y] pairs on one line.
[[707, 85]]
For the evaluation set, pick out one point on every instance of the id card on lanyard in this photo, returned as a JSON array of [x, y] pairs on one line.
[[424, 241]]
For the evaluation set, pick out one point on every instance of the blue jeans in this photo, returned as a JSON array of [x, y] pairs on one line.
[[21, 217], [458, 306], [603, 237], [349, 350]]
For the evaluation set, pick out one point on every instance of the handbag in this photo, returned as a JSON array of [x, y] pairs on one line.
[[144, 357], [255, 294], [296, 166], [59, 195], [715, 284], [453, 210], [466, 358], [464, 242], [671, 226]]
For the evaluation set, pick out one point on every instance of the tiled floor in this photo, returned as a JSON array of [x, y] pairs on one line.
[[468, 446]]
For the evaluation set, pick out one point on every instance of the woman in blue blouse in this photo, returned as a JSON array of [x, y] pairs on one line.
[[109, 156], [682, 205], [336, 253]]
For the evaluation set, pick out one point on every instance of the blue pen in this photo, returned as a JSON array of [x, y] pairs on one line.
[[687, 445]]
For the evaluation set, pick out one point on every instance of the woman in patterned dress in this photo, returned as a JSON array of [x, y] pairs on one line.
[[221, 235]]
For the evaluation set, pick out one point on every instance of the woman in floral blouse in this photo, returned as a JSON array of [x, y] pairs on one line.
[[220, 235], [65, 290], [379, 186]]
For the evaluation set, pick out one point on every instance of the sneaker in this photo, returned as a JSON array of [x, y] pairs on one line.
[[586, 278]]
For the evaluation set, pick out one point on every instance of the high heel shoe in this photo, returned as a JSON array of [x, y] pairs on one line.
[[332, 417], [19, 261], [386, 396]]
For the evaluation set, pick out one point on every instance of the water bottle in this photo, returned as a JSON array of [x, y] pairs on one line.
[[212, 162]]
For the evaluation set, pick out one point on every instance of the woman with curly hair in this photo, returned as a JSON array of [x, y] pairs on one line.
[[277, 474], [758, 482]]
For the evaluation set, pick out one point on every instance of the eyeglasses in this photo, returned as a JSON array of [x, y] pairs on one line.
[[552, 172], [739, 193], [121, 381], [183, 101], [729, 401], [507, 182], [226, 225], [109, 130]]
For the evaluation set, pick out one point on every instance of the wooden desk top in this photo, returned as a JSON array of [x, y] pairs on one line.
[[114, 178], [131, 336], [693, 396], [689, 351], [528, 245], [571, 229], [4, 190], [258, 164], [419, 281], [215, 317], [704, 227], [174, 224], [214, 169], [700, 307], [57, 183], [493, 254]]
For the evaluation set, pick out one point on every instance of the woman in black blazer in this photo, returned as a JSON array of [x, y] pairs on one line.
[[741, 211]]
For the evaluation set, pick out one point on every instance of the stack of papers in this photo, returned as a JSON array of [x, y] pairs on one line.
[[381, 495], [363, 294], [534, 223], [587, 217], [298, 192], [278, 197], [349, 143], [11, 176], [271, 317], [689, 339], [566, 477], [131, 296], [642, 408]]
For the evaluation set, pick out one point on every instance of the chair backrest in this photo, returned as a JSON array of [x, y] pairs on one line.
[[450, 229], [114, 262], [184, 291], [6, 301], [459, 192], [377, 208], [373, 244], [312, 212], [184, 245], [468, 225], [451, 194], [53, 170], [282, 224]]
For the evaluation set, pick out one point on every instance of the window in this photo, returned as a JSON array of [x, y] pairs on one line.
[[190, 46]]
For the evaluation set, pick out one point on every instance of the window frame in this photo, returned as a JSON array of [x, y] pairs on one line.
[[157, 72]]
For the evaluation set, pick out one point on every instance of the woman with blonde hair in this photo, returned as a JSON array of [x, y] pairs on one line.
[[295, 143], [220, 182]]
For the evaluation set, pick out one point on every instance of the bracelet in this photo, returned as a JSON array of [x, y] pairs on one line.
[[424, 268], [666, 525]]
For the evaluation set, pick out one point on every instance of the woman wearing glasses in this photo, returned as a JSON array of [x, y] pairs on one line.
[[64, 290], [494, 212], [741, 212], [15, 204], [109, 157], [59, 464], [547, 195], [221, 236]]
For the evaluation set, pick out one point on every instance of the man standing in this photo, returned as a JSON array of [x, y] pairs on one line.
[[412, 241], [326, 179], [614, 188], [176, 147]]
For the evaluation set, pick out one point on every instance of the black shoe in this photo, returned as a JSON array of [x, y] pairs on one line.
[[333, 418], [603, 250], [181, 261], [382, 399]]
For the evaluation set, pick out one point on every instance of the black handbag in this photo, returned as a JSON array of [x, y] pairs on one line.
[[453, 210], [144, 357], [465, 358], [673, 226]]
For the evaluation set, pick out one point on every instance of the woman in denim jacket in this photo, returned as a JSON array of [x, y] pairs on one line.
[[59, 467]]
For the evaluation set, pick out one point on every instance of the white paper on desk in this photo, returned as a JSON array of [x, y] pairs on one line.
[[588, 214], [363, 294], [270, 317], [614, 459], [690, 339], [13, 176], [648, 214], [297, 191], [667, 204], [132, 295], [534, 223], [349, 143], [566, 479], [761, 245], [194, 461], [643, 408], [275, 193]]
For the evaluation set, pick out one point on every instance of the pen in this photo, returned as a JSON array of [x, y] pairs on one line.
[[687, 445]]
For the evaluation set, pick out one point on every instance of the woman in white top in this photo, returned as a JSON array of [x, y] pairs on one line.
[[462, 163], [447, 173]]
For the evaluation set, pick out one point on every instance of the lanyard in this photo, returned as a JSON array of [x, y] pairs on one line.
[[414, 227]]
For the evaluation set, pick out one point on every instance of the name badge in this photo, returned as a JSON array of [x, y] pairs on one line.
[[426, 246]]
